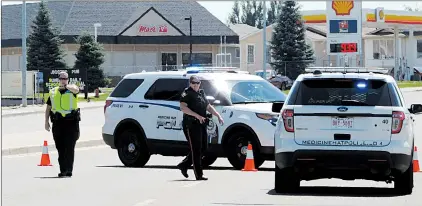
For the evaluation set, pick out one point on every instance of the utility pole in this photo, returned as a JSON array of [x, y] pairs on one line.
[[264, 39], [24, 97], [190, 39]]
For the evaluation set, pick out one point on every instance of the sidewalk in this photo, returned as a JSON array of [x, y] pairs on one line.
[[32, 109], [411, 89]]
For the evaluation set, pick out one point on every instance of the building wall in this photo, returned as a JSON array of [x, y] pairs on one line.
[[232, 59], [256, 41], [126, 58]]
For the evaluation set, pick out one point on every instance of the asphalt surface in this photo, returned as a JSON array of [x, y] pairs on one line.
[[100, 179], [28, 130]]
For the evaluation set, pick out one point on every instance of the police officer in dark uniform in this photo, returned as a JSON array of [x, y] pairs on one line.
[[62, 109], [194, 105]]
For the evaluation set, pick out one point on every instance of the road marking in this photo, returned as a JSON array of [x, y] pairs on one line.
[[192, 184], [54, 152], [146, 202]]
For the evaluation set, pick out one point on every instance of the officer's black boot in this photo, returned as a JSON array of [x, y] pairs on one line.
[[68, 174], [183, 170], [202, 178]]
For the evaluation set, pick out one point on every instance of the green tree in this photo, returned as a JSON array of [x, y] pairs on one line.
[[412, 8], [288, 43], [251, 13], [90, 56], [234, 17], [273, 12], [44, 43]]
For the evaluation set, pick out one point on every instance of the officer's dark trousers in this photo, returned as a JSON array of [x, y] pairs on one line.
[[65, 134], [196, 134]]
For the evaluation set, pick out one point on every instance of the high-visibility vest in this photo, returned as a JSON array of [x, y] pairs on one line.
[[63, 103]]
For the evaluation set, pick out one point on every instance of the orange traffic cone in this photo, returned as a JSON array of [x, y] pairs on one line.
[[249, 162], [416, 167], [45, 157]]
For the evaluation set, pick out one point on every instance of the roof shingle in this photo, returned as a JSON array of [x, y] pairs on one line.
[[74, 17]]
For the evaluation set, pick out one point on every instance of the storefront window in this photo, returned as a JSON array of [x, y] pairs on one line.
[[169, 61], [383, 49], [201, 59], [419, 48]]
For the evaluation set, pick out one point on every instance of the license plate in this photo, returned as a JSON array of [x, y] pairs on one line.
[[342, 123]]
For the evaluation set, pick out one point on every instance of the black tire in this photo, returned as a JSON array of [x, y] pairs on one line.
[[132, 149], [236, 157], [208, 160], [285, 180], [403, 184]]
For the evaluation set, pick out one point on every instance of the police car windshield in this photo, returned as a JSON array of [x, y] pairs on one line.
[[253, 91], [343, 92]]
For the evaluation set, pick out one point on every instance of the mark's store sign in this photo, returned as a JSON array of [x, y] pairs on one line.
[[153, 29]]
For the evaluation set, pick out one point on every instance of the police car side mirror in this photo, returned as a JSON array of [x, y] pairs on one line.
[[277, 106], [212, 100], [416, 108]]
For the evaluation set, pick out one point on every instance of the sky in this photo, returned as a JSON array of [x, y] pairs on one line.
[[222, 9]]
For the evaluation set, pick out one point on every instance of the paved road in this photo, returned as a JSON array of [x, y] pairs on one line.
[[99, 179], [28, 130]]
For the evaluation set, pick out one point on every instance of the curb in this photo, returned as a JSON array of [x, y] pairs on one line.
[[417, 90], [42, 111], [51, 147]]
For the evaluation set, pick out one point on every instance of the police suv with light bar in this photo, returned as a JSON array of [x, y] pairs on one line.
[[143, 117], [347, 123]]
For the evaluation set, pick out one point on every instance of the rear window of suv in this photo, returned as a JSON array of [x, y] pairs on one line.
[[126, 87], [344, 92]]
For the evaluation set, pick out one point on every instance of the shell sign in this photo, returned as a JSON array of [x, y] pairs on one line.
[[342, 8]]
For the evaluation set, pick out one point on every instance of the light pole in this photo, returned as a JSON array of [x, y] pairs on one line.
[[190, 39], [264, 39], [24, 98], [96, 25]]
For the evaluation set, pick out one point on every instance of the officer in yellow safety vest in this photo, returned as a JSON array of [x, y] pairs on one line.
[[62, 109]]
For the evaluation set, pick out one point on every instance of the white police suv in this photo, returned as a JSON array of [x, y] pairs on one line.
[[345, 123], [142, 116]]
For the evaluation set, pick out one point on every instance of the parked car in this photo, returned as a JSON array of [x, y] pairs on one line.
[[281, 82]]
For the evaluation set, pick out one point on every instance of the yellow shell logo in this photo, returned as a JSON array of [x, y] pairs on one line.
[[381, 14], [342, 7]]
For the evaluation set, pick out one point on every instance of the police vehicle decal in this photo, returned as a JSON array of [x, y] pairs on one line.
[[212, 132], [150, 103], [168, 122]]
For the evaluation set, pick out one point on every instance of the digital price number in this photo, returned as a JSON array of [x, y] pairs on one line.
[[343, 48]]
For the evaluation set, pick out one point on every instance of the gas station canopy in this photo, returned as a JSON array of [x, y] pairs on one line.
[[392, 18], [346, 18]]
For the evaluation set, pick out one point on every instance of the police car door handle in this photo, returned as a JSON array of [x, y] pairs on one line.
[[143, 106]]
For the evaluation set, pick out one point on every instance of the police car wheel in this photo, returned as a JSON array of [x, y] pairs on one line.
[[237, 149], [132, 149], [285, 180], [208, 160], [403, 183]]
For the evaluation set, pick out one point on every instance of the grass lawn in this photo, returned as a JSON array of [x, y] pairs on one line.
[[407, 84]]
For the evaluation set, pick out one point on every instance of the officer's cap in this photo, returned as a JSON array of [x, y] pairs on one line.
[[194, 78], [63, 75]]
